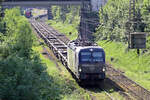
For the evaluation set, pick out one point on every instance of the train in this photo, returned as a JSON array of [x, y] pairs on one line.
[[86, 62], [28, 13]]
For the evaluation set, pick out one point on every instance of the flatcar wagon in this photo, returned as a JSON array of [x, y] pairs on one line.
[[86, 62]]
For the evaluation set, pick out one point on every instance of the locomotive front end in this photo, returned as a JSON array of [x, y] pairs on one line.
[[91, 64]]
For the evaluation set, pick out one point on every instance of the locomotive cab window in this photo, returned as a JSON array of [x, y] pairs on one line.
[[86, 56], [91, 56], [97, 56]]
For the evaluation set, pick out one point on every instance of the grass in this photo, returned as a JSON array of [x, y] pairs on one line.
[[65, 84], [135, 67], [65, 29]]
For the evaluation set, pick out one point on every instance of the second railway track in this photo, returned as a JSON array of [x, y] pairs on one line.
[[57, 42], [127, 84]]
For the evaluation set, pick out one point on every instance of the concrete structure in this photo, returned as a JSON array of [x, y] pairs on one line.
[[96, 4], [41, 3]]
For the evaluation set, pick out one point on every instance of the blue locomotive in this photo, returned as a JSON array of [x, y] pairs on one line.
[[86, 62]]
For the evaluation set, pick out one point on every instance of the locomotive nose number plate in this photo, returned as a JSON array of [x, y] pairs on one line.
[[92, 68]]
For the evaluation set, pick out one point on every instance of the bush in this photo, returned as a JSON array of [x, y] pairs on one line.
[[22, 74], [114, 19]]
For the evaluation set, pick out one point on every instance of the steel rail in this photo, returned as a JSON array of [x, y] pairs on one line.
[[108, 94], [61, 36]]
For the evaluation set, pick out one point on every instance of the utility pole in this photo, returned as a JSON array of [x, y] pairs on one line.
[[87, 25], [84, 29]]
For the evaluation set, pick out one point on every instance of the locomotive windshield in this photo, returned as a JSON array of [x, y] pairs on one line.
[[91, 56], [97, 56], [86, 56]]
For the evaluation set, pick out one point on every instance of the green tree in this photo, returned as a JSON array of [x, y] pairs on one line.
[[115, 15], [23, 76], [67, 14]]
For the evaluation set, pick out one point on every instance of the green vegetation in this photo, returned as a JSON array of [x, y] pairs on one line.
[[114, 20], [114, 16], [64, 83], [23, 75], [64, 28], [66, 19], [134, 66]]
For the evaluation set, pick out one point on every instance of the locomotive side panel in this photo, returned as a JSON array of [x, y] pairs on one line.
[[71, 59]]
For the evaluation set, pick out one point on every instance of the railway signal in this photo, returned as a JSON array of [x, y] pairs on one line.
[[136, 40]]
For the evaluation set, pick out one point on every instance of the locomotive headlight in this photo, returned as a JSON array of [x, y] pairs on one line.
[[91, 50], [80, 69], [104, 69]]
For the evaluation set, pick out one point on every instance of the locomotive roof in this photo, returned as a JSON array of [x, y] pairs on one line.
[[73, 46]]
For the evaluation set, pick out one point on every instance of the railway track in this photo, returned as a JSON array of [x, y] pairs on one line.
[[108, 94], [127, 84], [91, 95], [57, 42], [58, 47]]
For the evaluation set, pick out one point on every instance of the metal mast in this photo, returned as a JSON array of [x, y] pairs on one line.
[[83, 25], [84, 31]]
